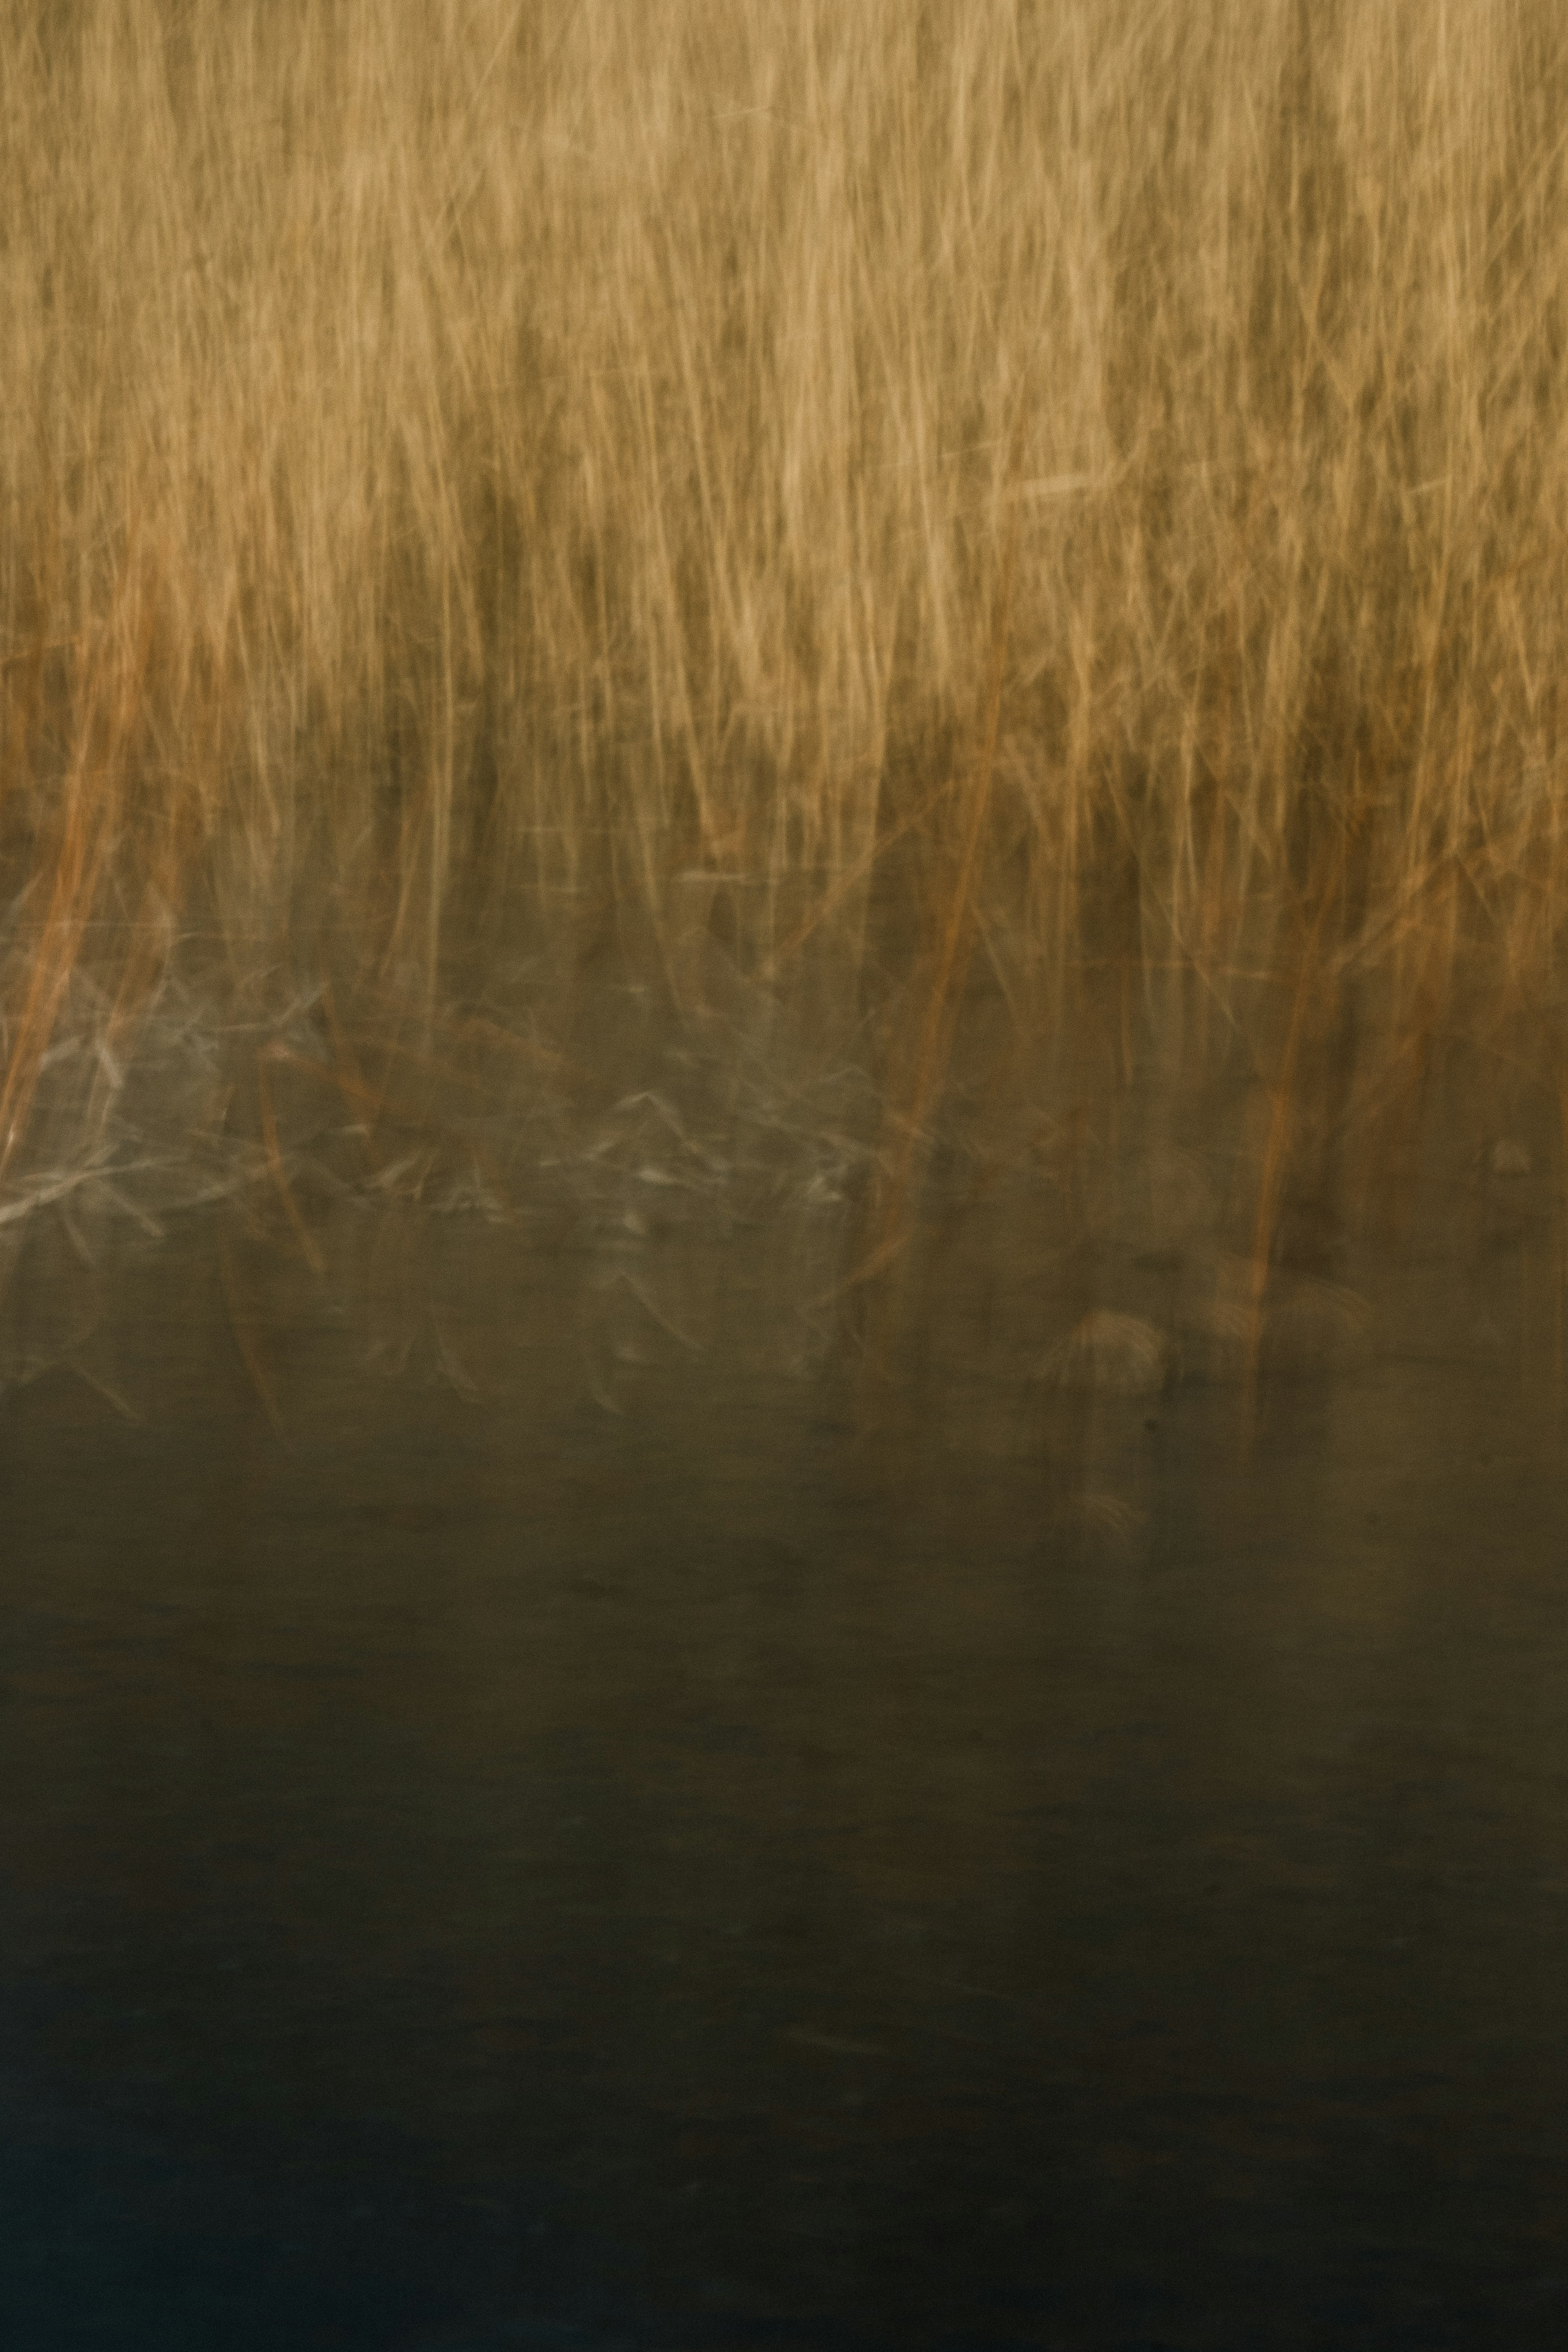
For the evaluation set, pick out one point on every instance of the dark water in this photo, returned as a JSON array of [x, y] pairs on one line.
[[503, 1871], [570, 1783]]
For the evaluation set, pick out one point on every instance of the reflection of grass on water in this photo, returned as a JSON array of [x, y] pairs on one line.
[[748, 462]]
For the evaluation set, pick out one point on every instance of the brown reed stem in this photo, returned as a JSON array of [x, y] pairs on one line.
[[894, 1225]]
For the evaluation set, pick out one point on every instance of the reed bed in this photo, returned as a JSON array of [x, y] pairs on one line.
[[981, 479]]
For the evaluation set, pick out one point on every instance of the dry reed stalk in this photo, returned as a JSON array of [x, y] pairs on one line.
[[1281, 1096], [851, 880], [279, 1174], [91, 797], [935, 1041]]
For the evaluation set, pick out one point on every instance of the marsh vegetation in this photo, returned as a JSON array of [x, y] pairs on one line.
[[890, 542]]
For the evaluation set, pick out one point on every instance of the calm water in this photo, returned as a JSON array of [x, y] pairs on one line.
[[543, 1809], [709, 1878]]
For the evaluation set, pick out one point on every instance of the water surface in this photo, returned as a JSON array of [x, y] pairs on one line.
[[571, 1782]]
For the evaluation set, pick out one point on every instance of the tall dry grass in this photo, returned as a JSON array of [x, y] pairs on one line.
[[453, 443]]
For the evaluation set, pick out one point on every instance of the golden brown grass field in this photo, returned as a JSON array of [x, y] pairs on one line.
[[1102, 463]]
